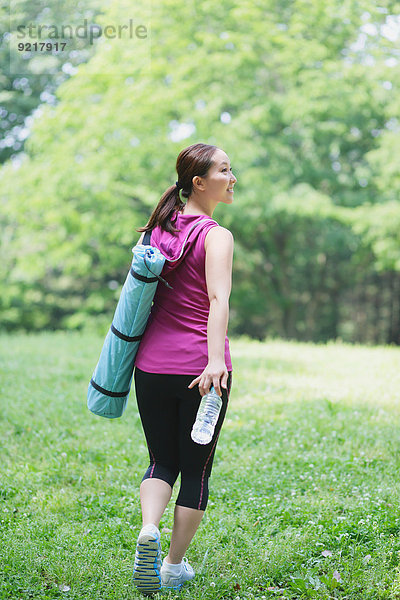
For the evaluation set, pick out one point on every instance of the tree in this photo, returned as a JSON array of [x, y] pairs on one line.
[[29, 79], [282, 89]]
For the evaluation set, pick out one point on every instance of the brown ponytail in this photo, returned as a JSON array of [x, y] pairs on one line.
[[193, 160]]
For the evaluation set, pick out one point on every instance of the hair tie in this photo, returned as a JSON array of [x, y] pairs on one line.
[[178, 185]]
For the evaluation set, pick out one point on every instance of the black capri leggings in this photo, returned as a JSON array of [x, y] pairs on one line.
[[168, 410]]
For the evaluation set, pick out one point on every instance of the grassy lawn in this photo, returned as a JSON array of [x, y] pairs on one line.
[[304, 496]]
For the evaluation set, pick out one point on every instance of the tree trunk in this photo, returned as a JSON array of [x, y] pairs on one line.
[[393, 330]]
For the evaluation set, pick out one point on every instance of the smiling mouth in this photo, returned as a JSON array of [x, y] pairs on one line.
[[230, 190]]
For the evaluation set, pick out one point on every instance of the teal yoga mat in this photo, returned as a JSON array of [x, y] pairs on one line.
[[111, 381]]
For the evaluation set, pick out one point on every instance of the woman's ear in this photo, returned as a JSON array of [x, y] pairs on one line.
[[198, 183]]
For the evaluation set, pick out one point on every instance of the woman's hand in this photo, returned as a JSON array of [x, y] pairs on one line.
[[214, 373]]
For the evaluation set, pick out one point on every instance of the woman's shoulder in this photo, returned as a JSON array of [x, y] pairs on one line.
[[218, 236]]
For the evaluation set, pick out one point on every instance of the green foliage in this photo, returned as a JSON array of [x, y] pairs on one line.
[[299, 252], [28, 80], [305, 115], [379, 228]]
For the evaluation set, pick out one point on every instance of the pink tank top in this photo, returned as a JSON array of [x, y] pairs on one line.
[[175, 339]]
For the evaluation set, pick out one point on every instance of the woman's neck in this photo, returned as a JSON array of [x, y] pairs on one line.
[[193, 208]]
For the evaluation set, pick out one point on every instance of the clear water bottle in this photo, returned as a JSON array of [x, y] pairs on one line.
[[207, 417]]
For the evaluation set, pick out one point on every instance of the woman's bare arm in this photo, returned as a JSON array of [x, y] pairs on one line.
[[218, 266]]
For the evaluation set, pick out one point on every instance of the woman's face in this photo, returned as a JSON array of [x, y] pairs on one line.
[[220, 180]]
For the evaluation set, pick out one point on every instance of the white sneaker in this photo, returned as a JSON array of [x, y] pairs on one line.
[[173, 577], [146, 572]]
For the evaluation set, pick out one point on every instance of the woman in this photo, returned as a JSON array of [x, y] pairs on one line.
[[184, 345]]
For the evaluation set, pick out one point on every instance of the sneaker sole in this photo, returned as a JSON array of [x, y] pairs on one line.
[[146, 574], [177, 588]]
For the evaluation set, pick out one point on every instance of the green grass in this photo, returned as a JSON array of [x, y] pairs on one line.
[[304, 496]]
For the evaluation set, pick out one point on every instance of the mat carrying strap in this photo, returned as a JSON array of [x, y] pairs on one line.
[[146, 242]]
